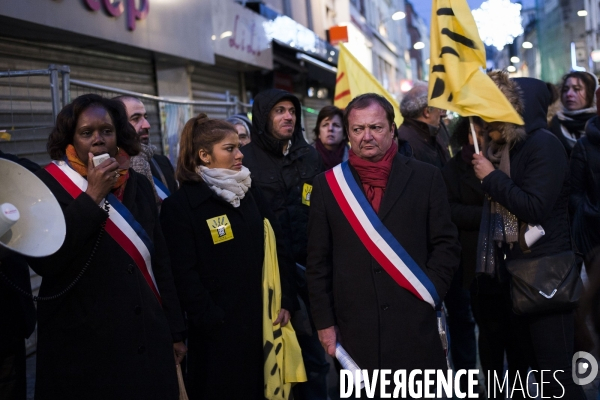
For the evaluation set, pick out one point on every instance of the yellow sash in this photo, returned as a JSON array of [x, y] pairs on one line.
[[283, 358]]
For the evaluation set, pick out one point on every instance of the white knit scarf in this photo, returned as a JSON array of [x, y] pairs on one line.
[[228, 184]]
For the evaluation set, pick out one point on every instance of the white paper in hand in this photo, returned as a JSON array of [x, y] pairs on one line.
[[348, 363]]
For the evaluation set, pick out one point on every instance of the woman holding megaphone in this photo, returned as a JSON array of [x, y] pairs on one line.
[[108, 327]]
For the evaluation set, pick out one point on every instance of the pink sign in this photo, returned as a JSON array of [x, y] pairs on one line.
[[116, 8]]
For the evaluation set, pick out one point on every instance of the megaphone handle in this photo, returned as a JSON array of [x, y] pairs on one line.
[[77, 278]]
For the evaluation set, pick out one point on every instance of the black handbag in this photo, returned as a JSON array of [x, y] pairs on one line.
[[545, 284]]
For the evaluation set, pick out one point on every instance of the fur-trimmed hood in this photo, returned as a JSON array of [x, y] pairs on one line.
[[536, 99], [510, 132]]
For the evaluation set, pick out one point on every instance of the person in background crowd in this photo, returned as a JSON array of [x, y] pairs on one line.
[[149, 162], [283, 166], [469, 295], [584, 201], [214, 230], [578, 106], [18, 314], [421, 126], [527, 180], [354, 300], [331, 138], [242, 129], [116, 323], [466, 198]]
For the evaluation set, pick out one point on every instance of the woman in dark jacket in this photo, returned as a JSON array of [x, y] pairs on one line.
[[530, 185], [110, 334], [578, 106], [584, 201], [331, 139], [214, 230]]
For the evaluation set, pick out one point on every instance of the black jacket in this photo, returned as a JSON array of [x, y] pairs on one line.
[[166, 168], [537, 192], [425, 147], [381, 324], [108, 337], [220, 288], [465, 195], [584, 202], [282, 178]]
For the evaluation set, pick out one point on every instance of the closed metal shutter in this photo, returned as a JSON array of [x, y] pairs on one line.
[[25, 103], [310, 111], [211, 83]]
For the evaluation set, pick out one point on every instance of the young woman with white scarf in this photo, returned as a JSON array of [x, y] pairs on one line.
[[215, 234], [578, 107]]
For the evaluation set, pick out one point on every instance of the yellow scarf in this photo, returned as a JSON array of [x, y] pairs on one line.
[[283, 361], [81, 168]]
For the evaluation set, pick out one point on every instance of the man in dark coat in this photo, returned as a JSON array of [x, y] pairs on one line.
[[354, 300], [18, 315], [283, 166], [421, 126], [160, 165]]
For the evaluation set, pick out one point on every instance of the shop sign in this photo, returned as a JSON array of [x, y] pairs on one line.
[[116, 8], [239, 34]]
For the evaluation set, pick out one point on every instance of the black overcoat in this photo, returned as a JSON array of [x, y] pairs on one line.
[[465, 195], [381, 324], [220, 288], [108, 337]]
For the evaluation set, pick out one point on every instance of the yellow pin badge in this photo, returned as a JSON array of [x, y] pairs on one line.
[[306, 192], [220, 229]]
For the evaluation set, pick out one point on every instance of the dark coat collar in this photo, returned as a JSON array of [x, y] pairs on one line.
[[399, 177]]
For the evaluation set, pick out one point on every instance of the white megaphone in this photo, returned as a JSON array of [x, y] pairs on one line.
[[32, 222]]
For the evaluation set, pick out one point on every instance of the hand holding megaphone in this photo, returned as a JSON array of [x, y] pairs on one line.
[[101, 178], [9, 215]]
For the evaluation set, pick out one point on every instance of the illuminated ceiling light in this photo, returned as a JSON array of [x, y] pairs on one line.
[[226, 34], [332, 53], [498, 22], [419, 46], [214, 37], [398, 15], [330, 59], [582, 13], [595, 55], [515, 59], [527, 45], [511, 68], [428, 61]]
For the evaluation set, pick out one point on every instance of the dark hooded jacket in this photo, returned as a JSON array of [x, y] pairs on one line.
[[282, 179], [584, 202], [537, 192]]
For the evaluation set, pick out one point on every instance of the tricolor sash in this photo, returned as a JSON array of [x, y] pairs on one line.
[[161, 189], [376, 238], [120, 225]]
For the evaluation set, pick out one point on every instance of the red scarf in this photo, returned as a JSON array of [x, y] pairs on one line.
[[374, 175], [330, 158]]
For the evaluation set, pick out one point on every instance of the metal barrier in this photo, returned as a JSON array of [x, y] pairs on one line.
[[29, 105]]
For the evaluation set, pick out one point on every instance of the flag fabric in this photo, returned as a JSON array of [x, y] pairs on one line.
[[353, 79], [457, 80]]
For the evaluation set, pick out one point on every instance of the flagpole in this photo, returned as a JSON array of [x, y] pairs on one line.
[[474, 135]]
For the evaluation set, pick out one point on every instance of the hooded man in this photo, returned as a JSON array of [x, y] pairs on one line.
[[421, 126], [283, 165], [526, 176]]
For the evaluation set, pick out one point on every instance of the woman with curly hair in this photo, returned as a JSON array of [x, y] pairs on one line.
[[111, 320]]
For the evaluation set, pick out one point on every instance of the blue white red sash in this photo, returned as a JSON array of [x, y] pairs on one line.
[[120, 225], [161, 189], [377, 239]]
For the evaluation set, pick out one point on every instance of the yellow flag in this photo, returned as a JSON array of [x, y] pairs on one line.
[[457, 80], [353, 79]]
